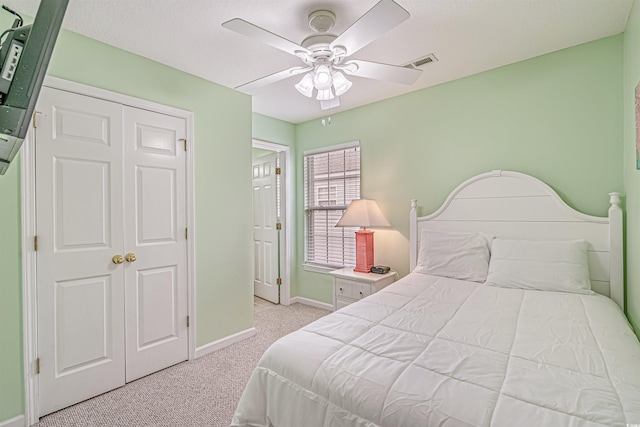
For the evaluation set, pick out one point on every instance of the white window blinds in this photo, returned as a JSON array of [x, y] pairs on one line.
[[331, 181]]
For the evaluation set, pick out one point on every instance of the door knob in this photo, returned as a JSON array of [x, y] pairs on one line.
[[117, 259], [130, 257]]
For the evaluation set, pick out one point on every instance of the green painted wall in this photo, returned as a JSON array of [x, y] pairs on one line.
[[11, 379], [557, 117], [631, 174], [257, 152], [273, 130], [223, 122]]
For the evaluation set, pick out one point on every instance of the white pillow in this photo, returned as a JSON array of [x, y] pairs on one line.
[[550, 265], [463, 256]]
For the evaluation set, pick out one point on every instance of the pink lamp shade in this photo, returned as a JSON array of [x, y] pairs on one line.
[[363, 213]]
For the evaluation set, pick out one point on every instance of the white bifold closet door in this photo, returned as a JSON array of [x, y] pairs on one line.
[[111, 258]]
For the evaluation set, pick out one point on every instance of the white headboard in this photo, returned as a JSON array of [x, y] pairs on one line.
[[518, 206]]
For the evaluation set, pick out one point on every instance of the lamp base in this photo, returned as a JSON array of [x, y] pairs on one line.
[[364, 251]]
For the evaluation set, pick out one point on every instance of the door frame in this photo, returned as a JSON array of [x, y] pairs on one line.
[[29, 258], [285, 250]]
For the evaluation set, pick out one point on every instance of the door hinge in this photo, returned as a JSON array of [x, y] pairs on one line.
[[278, 226], [35, 243], [279, 281], [35, 118], [37, 366], [186, 233], [185, 143], [278, 171], [188, 322]]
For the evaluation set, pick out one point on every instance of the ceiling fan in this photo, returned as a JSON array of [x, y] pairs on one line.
[[326, 56]]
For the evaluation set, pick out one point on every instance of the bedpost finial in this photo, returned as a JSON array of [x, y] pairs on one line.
[[614, 198], [414, 203]]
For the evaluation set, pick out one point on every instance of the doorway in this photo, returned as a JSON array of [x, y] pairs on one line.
[[272, 243]]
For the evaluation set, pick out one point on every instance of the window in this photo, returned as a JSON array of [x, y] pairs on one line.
[[331, 181], [327, 196]]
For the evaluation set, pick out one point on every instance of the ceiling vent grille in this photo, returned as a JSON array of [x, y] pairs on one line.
[[421, 62]]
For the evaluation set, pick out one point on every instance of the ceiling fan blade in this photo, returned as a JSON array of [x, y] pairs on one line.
[[248, 29], [255, 85], [382, 17], [374, 70]]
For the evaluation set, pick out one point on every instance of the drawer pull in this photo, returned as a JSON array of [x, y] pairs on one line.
[[360, 293], [340, 289]]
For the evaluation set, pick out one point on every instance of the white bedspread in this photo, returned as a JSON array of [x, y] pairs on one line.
[[430, 351]]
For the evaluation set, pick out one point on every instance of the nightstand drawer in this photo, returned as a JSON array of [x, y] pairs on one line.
[[350, 286], [361, 290], [344, 288]]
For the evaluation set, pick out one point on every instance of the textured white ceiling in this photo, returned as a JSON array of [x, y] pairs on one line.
[[467, 36]]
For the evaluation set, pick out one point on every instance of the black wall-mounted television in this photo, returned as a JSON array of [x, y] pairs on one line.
[[24, 57]]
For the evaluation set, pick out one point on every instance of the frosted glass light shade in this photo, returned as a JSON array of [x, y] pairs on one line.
[[340, 83], [363, 213], [305, 86], [322, 78]]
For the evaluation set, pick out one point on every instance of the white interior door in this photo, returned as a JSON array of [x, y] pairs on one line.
[[155, 230], [265, 234], [79, 226]]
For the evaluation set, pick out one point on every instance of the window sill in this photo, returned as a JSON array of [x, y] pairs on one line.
[[315, 268]]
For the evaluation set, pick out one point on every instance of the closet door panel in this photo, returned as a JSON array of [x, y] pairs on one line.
[[79, 226], [155, 225]]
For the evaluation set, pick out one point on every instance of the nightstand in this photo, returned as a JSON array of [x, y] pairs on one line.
[[350, 286]]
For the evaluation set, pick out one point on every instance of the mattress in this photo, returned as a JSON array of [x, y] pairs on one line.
[[432, 351]]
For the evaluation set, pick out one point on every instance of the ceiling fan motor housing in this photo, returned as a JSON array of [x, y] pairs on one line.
[[319, 45]]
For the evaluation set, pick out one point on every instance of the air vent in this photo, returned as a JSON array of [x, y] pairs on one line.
[[421, 62]]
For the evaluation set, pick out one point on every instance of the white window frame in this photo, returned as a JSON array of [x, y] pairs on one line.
[[314, 265]]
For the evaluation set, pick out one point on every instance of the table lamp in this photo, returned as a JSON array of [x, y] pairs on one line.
[[363, 213]]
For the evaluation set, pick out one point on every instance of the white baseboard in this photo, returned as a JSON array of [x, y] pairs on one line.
[[223, 342], [13, 422], [312, 302]]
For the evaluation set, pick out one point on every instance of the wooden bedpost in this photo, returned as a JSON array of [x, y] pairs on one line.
[[616, 252], [413, 235]]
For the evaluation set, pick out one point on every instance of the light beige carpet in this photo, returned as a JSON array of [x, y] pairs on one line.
[[201, 392]]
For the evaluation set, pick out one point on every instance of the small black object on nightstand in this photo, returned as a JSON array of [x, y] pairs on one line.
[[380, 269]]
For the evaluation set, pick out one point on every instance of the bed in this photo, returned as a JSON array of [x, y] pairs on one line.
[[522, 326]]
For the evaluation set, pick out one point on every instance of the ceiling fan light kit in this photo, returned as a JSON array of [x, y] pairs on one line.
[[324, 54], [305, 86], [322, 77], [340, 83], [329, 103], [328, 83], [325, 95]]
